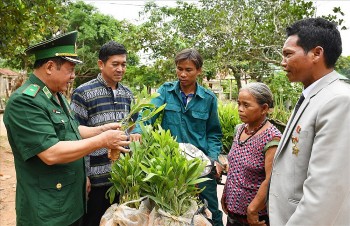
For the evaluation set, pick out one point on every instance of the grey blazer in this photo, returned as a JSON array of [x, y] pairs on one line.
[[312, 186]]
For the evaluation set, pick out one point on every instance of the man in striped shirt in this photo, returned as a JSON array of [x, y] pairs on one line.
[[97, 102]]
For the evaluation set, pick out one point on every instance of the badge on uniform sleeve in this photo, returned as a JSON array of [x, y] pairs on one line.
[[31, 90]]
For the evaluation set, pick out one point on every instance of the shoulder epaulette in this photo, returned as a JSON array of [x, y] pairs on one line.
[[31, 90], [210, 92], [169, 84]]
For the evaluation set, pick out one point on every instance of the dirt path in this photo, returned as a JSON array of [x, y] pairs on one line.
[[7, 180]]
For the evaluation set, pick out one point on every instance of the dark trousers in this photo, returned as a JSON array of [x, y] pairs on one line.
[[97, 205], [210, 194], [241, 220]]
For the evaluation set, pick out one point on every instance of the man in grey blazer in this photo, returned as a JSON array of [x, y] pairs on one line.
[[310, 182]]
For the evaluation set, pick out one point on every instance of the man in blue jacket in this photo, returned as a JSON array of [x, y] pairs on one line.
[[191, 116]]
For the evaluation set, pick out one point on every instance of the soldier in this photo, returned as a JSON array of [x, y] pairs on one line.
[[46, 140]]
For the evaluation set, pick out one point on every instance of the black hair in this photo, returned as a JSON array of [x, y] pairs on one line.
[[313, 32], [189, 54], [111, 48]]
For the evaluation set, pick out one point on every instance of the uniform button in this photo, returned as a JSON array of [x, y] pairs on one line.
[[58, 186]]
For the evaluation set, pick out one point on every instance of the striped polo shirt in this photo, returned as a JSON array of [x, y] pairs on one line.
[[95, 104]]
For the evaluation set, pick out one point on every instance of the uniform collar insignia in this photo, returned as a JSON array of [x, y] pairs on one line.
[[47, 92]]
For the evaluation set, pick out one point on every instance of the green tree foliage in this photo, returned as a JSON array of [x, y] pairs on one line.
[[95, 29], [285, 96], [241, 38], [138, 76], [229, 119], [284, 91], [25, 22], [168, 30], [343, 66]]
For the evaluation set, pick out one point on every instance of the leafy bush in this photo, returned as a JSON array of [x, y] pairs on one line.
[[126, 176], [279, 115], [228, 116], [140, 106], [157, 169], [285, 93]]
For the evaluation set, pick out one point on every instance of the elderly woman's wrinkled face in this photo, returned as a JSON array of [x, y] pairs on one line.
[[249, 110]]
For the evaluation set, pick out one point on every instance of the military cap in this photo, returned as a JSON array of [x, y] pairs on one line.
[[59, 46]]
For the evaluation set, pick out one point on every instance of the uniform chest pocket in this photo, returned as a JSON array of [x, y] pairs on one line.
[[200, 120], [172, 114], [60, 125], [56, 194]]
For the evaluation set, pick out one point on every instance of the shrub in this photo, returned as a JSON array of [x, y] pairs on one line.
[[157, 169], [228, 116]]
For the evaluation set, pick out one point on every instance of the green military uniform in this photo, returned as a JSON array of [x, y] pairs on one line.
[[35, 121], [45, 195]]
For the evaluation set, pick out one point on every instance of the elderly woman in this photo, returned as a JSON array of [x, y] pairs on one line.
[[250, 158]]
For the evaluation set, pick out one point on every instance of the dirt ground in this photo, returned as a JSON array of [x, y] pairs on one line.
[[7, 180]]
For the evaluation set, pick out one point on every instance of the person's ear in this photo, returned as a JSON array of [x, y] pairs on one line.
[[100, 64], [317, 52], [265, 109], [49, 66]]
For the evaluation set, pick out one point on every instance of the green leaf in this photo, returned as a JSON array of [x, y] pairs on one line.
[[197, 181], [149, 177]]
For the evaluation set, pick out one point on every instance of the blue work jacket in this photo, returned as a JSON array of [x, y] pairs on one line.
[[197, 123]]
